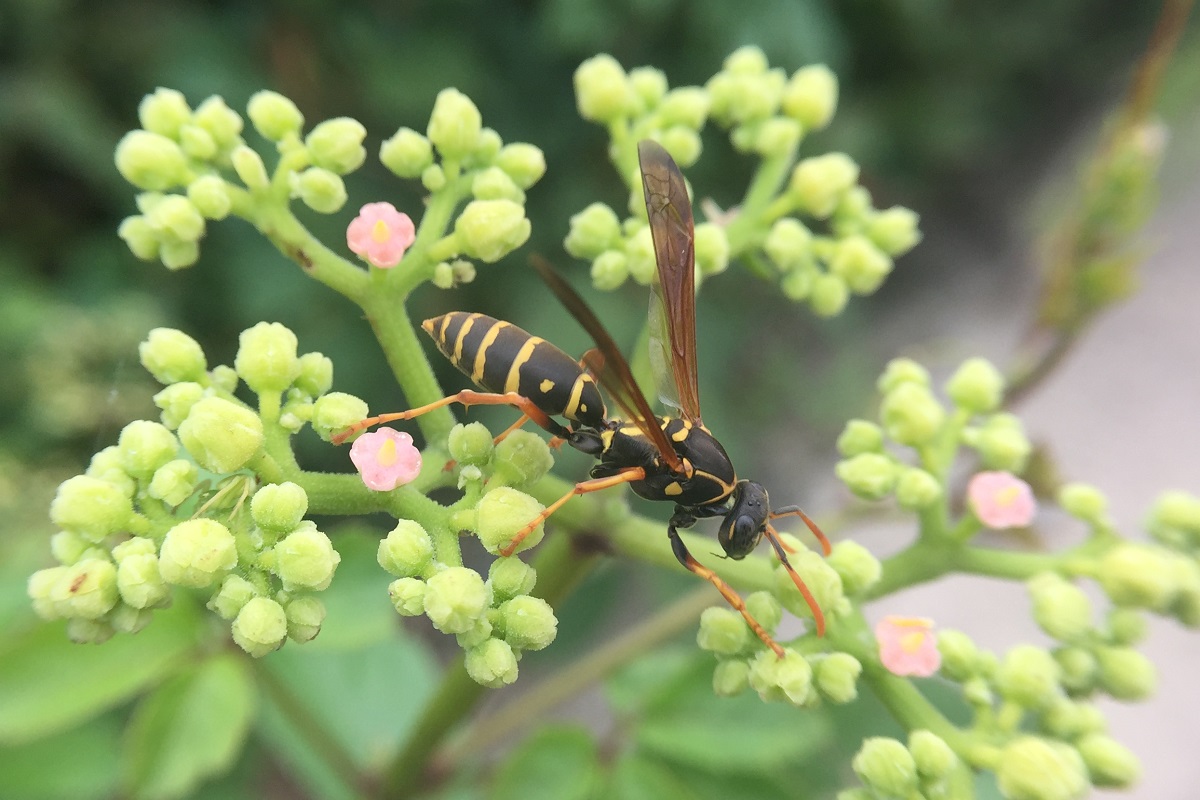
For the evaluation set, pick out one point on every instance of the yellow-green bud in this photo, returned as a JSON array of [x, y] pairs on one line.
[[433, 177], [408, 596], [1032, 768], [493, 183], [164, 112], [455, 599], [522, 459], [177, 254], [68, 547], [222, 122], [899, 371], [197, 143], [470, 443], [304, 617], [818, 183], [304, 559], [108, 465], [134, 546], [151, 161], [454, 125], [1068, 719], [266, 358], [1084, 502], [492, 663], [407, 154], [320, 189], [337, 145], [1126, 626], [788, 243], [829, 295], [683, 144], [639, 253], [234, 593], [1109, 763], [853, 210], [1029, 676], [528, 622], [712, 248], [279, 506], [89, 631], [407, 550], [1060, 608], [144, 446], [687, 106], [602, 91], [491, 229], [223, 378], [90, 507], [811, 96], [336, 411], [787, 679], [127, 619], [1138, 576], [777, 137], [609, 270], [860, 263], [933, 757], [1125, 673], [177, 400], [260, 627], [960, 656], [86, 589], [1175, 520], [273, 115], [524, 163], [250, 168], [649, 84], [316, 374], [487, 147], [731, 677], [174, 481], [916, 489], [1078, 667], [1001, 443], [221, 435], [40, 588], [592, 231], [837, 677], [976, 386], [197, 552], [860, 436], [747, 93], [911, 414], [510, 577], [894, 230], [871, 476], [818, 576], [797, 285], [886, 766], [139, 581], [210, 195], [765, 608], [477, 635], [723, 631], [140, 237], [504, 512], [172, 356]]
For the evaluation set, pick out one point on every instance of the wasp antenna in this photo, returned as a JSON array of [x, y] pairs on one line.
[[818, 615], [812, 526]]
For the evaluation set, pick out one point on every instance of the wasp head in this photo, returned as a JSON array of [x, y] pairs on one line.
[[746, 521]]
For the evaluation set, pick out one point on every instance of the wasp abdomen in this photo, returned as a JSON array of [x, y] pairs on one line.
[[500, 357]]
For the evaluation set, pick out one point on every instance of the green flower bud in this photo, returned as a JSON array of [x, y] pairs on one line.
[[89, 631], [335, 412], [250, 168], [407, 154], [976, 386], [1060, 608], [850, 216], [304, 617], [209, 194], [337, 145], [933, 757], [487, 147], [602, 92], [151, 161], [777, 137], [178, 254], [1085, 502], [139, 582], [916, 489], [491, 229], [477, 635], [855, 565], [197, 143], [1137, 576], [1067, 719], [68, 547], [455, 599], [899, 371], [811, 96], [1001, 443], [649, 84], [871, 476], [134, 546], [712, 249], [223, 378], [510, 577], [234, 593], [818, 183], [746, 94], [609, 270], [723, 631], [305, 559], [145, 446], [886, 766], [894, 230], [164, 112], [90, 507], [176, 401], [529, 623], [829, 295], [470, 443], [127, 619], [1109, 763], [1029, 676], [504, 512], [593, 231], [454, 125], [731, 677], [787, 679], [433, 177], [492, 663], [797, 285], [320, 189], [407, 550], [221, 435], [788, 243], [524, 163], [686, 106], [911, 414], [222, 122], [40, 588], [197, 552], [493, 183], [274, 116], [1175, 520], [172, 356], [1125, 673], [140, 237], [260, 627], [522, 459], [683, 144], [860, 264], [279, 506], [315, 376], [765, 608], [837, 677], [960, 656], [818, 576], [266, 358], [640, 259], [977, 693], [860, 436], [408, 596], [86, 589], [1032, 768], [1078, 668], [1126, 626]]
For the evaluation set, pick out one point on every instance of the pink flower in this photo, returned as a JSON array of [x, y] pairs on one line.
[[385, 459], [907, 646], [1001, 500], [380, 234]]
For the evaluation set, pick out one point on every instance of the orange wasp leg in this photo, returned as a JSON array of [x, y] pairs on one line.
[[818, 615], [628, 475], [812, 526], [467, 398]]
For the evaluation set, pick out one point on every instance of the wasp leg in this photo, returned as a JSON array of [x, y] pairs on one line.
[[731, 597], [467, 397], [818, 615], [629, 475], [812, 526]]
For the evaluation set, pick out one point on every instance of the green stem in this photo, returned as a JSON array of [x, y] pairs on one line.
[[749, 223]]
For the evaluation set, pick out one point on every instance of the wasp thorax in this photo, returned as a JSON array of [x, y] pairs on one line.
[[746, 521]]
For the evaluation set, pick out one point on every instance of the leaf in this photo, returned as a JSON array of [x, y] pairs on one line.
[[635, 777], [35, 771], [556, 763], [654, 677], [190, 728], [49, 684]]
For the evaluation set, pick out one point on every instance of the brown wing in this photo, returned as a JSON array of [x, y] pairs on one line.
[[670, 214], [609, 366]]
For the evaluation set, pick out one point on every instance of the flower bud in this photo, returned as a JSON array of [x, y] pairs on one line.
[[649, 84], [336, 411], [502, 514], [862, 265], [1032, 768], [828, 296], [320, 189], [470, 443], [1137, 576], [86, 589], [176, 219], [745, 95], [602, 92], [765, 608], [960, 656], [407, 550], [787, 679], [894, 230], [1060, 608], [151, 161], [89, 631], [731, 677], [279, 506], [712, 249], [145, 446], [209, 195], [1175, 520], [1029, 676], [139, 582], [1125, 673], [90, 507], [777, 136], [266, 358], [492, 663], [305, 559], [818, 183], [522, 458], [683, 143], [68, 547], [788, 243], [818, 576], [493, 183], [1109, 763], [223, 124], [811, 96], [172, 356], [221, 435], [911, 414], [524, 163], [976, 386], [250, 168], [304, 617], [933, 757], [837, 677], [1126, 626], [108, 465], [315, 376], [408, 596], [197, 143], [234, 593], [274, 116], [455, 599], [176, 400], [260, 627], [1068, 719], [164, 112], [871, 476], [454, 125], [433, 177], [197, 552], [855, 565], [723, 631], [886, 766], [1084, 502], [916, 489], [529, 623], [1001, 443], [899, 371], [477, 635], [407, 154], [593, 231], [177, 254], [40, 588], [640, 258], [337, 145], [491, 229], [860, 436], [510, 577], [1078, 668], [140, 237], [127, 619]]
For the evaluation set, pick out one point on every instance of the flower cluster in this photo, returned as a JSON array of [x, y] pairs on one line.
[[924, 767], [767, 113]]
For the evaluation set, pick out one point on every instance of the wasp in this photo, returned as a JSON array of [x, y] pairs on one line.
[[665, 458]]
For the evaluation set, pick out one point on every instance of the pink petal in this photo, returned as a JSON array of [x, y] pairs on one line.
[[385, 459], [381, 234], [907, 646], [1001, 500]]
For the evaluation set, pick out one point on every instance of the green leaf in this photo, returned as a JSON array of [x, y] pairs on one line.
[[635, 777], [192, 727], [49, 684], [35, 771], [556, 763], [655, 677]]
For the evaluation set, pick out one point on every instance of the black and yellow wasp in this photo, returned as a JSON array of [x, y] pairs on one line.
[[670, 458]]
